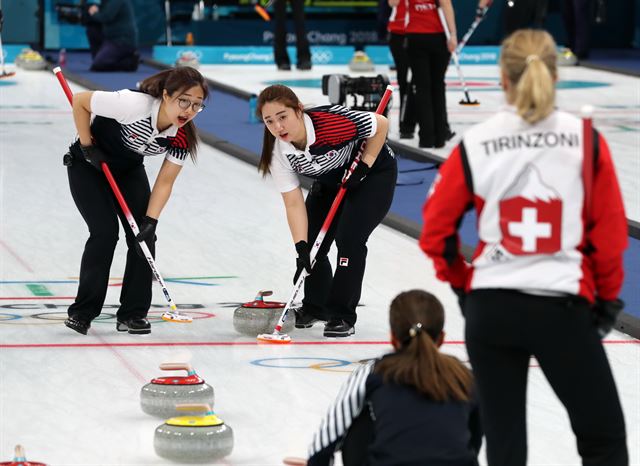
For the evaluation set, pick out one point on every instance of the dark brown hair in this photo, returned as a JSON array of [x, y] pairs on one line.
[[178, 80], [416, 318], [288, 98]]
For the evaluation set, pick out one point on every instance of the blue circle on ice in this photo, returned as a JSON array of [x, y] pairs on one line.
[[307, 361]]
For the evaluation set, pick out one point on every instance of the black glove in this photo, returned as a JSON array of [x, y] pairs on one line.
[[462, 297], [147, 232], [94, 156], [359, 173], [605, 314], [303, 261]]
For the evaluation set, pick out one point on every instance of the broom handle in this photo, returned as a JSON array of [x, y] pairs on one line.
[[332, 213], [472, 28], [123, 204]]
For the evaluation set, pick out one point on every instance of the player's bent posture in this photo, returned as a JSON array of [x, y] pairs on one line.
[[321, 143], [122, 128]]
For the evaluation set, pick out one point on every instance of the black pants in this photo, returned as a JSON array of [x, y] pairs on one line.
[[280, 35], [429, 58], [575, 14], [398, 47], [331, 296], [97, 205], [503, 330]]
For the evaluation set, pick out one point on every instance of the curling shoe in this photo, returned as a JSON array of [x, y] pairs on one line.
[[134, 326], [77, 325], [338, 329], [305, 320]]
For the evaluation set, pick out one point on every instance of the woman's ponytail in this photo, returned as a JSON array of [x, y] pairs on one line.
[[417, 318], [528, 60]]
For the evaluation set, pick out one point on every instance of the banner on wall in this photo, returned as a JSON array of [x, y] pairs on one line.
[[320, 55], [213, 55]]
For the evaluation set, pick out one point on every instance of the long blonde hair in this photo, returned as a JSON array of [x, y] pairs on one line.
[[528, 59], [416, 318]]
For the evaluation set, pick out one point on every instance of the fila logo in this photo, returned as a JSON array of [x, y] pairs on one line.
[[343, 262]]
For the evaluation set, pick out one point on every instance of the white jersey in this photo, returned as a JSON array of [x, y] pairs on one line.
[[530, 180], [137, 115], [527, 186], [334, 135]]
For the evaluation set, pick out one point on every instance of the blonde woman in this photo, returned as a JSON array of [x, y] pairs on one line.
[[545, 277]]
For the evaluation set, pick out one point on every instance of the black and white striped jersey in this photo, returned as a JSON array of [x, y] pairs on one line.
[[334, 135], [403, 426], [136, 114]]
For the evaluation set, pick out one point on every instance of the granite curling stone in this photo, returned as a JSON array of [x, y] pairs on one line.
[[160, 396], [29, 59], [260, 316], [19, 459], [193, 439]]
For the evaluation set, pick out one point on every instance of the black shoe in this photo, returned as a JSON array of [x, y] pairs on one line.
[[78, 326], [304, 65], [134, 326], [338, 329], [406, 135], [305, 320], [284, 66]]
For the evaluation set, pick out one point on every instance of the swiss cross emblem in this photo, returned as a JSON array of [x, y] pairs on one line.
[[531, 216]]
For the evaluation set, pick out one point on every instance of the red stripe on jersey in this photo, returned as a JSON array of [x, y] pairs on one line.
[[180, 139], [332, 129]]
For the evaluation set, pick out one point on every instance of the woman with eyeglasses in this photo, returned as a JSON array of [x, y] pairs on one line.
[[122, 128]]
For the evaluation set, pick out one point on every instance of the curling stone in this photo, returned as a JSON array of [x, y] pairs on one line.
[[30, 60], [19, 459], [160, 396], [193, 439], [260, 316], [188, 58], [566, 57], [361, 62]]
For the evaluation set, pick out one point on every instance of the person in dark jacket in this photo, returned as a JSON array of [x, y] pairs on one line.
[[413, 407], [113, 36]]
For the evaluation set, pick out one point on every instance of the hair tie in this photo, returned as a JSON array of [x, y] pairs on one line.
[[531, 58], [415, 329]]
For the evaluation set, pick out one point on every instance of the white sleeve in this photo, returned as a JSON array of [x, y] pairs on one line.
[[283, 175], [123, 106]]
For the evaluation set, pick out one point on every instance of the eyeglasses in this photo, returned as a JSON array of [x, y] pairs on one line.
[[184, 104]]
